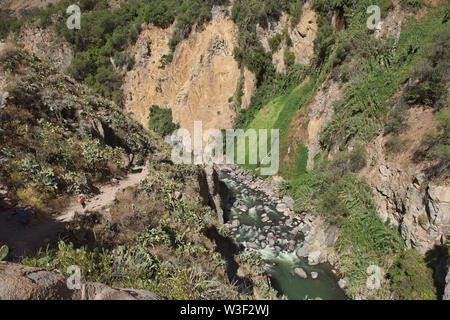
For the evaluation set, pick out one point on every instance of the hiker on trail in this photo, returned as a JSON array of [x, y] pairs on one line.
[[82, 200]]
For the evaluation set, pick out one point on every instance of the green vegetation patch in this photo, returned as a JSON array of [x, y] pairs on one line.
[[160, 121], [411, 278]]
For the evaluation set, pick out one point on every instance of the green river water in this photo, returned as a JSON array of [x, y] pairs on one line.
[[280, 259]]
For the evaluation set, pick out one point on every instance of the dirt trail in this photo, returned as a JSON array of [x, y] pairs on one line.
[[106, 196], [23, 239]]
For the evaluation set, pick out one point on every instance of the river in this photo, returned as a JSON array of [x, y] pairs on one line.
[[276, 238]]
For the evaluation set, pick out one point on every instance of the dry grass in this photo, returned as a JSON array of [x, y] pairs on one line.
[[7, 50]]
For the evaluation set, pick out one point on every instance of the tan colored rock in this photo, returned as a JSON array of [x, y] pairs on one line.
[[304, 34], [46, 45], [199, 82], [19, 282]]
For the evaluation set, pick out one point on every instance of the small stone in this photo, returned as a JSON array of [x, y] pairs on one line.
[[235, 223], [314, 275], [300, 272], [243, 208]]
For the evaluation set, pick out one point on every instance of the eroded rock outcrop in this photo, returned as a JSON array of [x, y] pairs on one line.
[[213, 191], [405, 195], [45, 43], [19, 282], [302, 35]]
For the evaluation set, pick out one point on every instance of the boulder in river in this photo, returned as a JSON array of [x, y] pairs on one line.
[[281, 208], [300, 272], [314, 275]]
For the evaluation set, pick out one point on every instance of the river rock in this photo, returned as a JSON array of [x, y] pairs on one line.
[[289, 202], [281, 207], [252, 245], [243, 208], [300, 272], [303, 251], [331, 258], [314, 275], [306, 229], [314, 258], [271, 242], [235, 223], [262, 237], [259, 208]]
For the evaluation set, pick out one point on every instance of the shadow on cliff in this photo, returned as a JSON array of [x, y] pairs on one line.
[[228, 249], [437, 259], [21, 231]]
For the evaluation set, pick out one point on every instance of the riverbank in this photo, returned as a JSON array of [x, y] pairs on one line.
[[297, 248]]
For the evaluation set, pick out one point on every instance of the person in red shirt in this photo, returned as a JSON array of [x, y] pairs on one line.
[[82, 201]]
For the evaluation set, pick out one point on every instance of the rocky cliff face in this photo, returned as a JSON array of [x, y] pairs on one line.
[[18, 282], [197, 85], [406, 198], [44, 43], [302, 35], [309, 121]]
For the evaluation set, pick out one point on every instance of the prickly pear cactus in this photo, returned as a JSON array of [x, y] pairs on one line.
[[3, 252]]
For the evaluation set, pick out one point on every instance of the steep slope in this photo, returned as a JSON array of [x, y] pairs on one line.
[[196, 85], [342, 130], [154, 230]]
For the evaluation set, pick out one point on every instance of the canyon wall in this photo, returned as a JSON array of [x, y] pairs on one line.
[[198, 85]]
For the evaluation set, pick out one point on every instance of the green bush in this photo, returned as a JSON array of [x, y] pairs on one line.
[[411, 278], [160, 121], [431, 73], [435, 145], [395, 144], [8, 23], [289, 58], [275, 42]]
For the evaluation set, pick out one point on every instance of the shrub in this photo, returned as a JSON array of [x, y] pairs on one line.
[[412, 3], [395, 144], [411, 279], [275, 42], [397, 119], [431, 73], [435, 146], [289, 58], [8, 23], [160, 121]]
